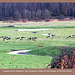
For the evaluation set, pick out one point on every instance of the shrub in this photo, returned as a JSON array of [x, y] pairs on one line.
[[66, 60]]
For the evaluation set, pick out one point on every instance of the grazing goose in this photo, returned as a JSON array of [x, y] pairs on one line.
[[32, 38], [70, 36], [52, 36], [5, 38], [20, 38]]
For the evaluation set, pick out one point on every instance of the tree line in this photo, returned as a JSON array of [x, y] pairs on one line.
[[36, 11]]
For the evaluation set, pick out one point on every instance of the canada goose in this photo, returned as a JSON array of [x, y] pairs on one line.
[[32, 38], [70, 36], [29, 39], [5, 38], [20, 38], [52, 36]]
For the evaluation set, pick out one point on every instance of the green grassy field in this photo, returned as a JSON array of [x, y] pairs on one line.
[[39, 57]]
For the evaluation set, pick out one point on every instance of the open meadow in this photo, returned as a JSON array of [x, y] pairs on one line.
[[42, 50]]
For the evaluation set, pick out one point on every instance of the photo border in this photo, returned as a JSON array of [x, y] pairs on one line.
[[37, 71], [37, 0]]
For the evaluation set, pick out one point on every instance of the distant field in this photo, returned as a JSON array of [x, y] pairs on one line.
[[39, 57], [40, 24]]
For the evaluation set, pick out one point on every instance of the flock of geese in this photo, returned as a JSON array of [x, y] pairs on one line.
[[5, 38]]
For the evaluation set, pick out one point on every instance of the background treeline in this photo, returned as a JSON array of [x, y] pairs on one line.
[[36, 11]]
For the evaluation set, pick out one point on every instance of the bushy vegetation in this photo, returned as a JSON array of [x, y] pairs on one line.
[[66, 59]]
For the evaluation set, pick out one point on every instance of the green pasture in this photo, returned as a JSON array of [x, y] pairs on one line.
[[23, 61], [38, 57]]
